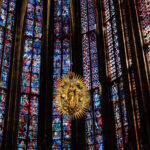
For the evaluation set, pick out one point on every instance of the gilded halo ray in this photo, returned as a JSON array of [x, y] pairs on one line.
[[72, 96]]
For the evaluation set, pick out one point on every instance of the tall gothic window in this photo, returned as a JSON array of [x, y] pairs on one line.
[[7, 19], [61, 125], [115, 74], [29, 99], [144, 16], [94, 137], [132, 78]]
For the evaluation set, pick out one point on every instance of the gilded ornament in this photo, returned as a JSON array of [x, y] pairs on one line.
[[72, 96]]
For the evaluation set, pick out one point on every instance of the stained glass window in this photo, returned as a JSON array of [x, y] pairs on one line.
[[94, 137], [144, 15], [137, 118], [30, 82], [115, 74], [7, 19], [61, 125]]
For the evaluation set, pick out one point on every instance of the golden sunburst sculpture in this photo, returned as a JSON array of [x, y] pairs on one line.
[[72, 96]]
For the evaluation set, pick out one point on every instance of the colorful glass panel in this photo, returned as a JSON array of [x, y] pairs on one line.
[[57, 17], [144, 15], [86, 60], [30, 83], [87, 16], [94, 61], [124, 111], [114, 72], [91, 15], [61, 126], [84, 19], [93, 123], [143, 8], [7, 17], [117, 113]]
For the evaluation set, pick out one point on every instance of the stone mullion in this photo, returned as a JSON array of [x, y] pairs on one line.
[[78, 126]]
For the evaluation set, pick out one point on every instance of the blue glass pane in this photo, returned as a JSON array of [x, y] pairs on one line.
[[2, 112], [12, 6], [91, 15], [27, 62], [28, 46], [94, 60], [66, 18], [90, 140], [10, 21], [57, 18], [36, 64], [33, 124], [98, 122], [4, 4], [89, 127], [38, 30], [1, 35], [35, 83], [21, 143], [56, 119], [66, 56], [3, 15], [30, 11], [56, 144], [29, 27], [86, 60], [1, 43], [89, 115], [84, 19], [99, 146]]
